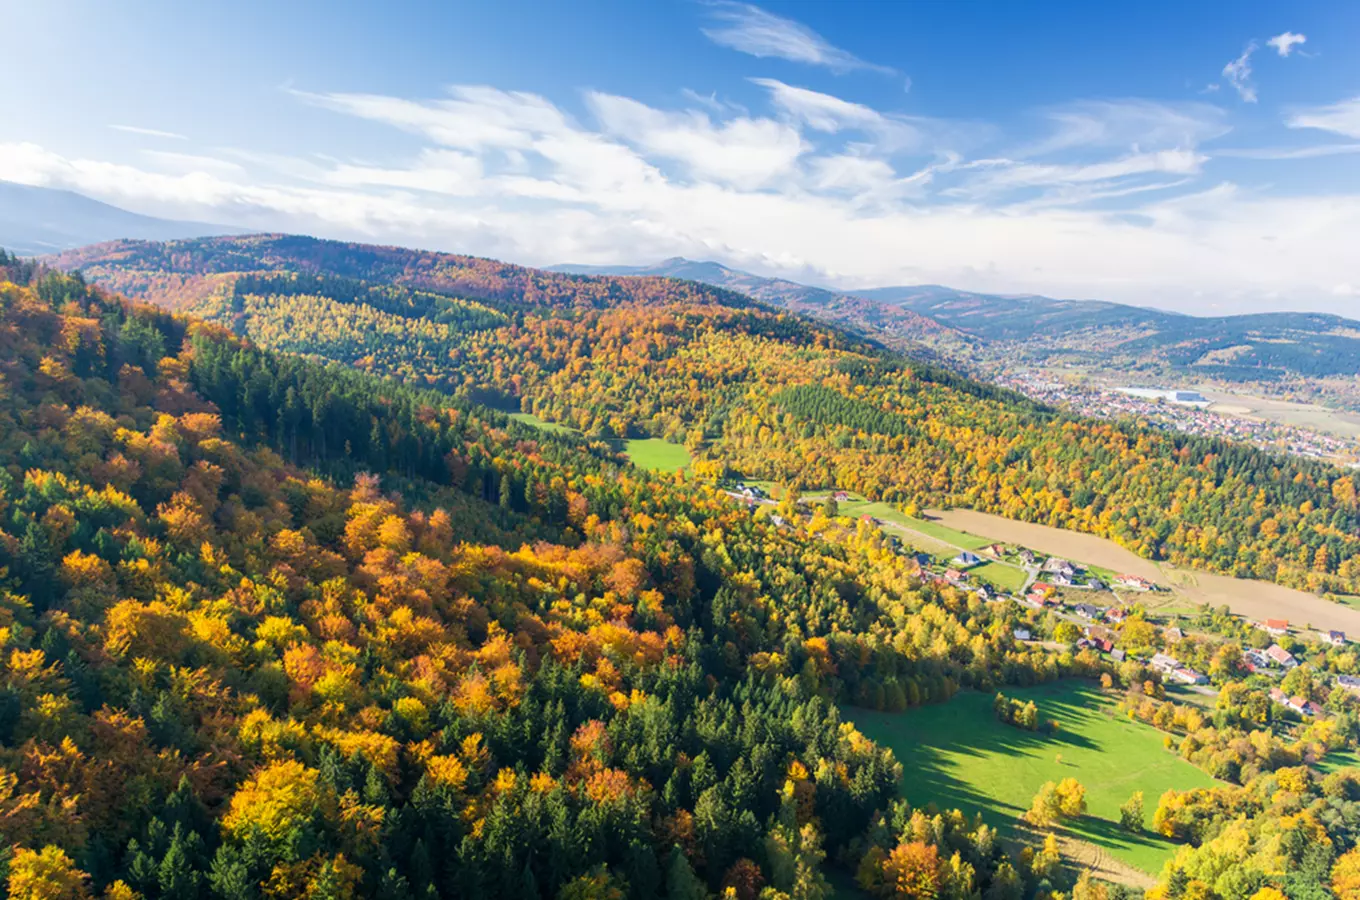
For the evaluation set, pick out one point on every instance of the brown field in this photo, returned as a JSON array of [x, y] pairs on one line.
[[1253, 599], [1286, 412]]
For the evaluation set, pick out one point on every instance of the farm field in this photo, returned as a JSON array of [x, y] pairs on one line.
[[656, 454], [1189, 589], [957, 754], [944, 532], [1287, 412]]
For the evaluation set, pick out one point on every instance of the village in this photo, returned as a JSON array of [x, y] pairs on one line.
[[1095, 601]]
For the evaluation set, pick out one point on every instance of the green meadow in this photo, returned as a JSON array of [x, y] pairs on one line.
[[957, 754], [656, 454]]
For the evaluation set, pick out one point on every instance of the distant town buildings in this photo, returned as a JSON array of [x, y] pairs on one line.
[[1190, 416]]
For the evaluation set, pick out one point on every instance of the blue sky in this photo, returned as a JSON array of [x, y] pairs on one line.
[[1200, 157]]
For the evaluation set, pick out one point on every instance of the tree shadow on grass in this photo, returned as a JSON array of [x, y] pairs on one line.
[[934, 743]]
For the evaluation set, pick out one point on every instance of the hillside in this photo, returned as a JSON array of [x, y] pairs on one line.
[[893, 324], [38, 220], [278, 628], [755, 392], [966, 328]]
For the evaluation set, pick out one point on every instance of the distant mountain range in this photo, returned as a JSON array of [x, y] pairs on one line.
[[966, 327], [39, 220]]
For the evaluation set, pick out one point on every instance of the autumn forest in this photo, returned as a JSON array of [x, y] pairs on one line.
[[290, 606]]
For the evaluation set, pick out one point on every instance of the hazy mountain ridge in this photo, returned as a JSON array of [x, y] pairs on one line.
[[39, 220], [961, 325]]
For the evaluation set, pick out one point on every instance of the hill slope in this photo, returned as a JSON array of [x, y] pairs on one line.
[[278, 628], [38, 220], [893, 324], [964, 327], [757, 392]]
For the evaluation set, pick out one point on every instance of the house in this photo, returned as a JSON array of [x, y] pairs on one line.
[[1060, 567], [1099, 633], [1276, 626], [1301, 706], [840, 496], [923, 559], [983, 593], [1133, 582], [1027, 557], [996, 551], [1281, 656], [1187, 675], [1165, 663], [1022, 634], [1173, 635], [1103, 645], [1278, 696], [1116, 614], [1336, 638], [1349, 683], [1086, 610], [966, 559], [1062, 580], [1258, 659], [954, 575], [1118, 655], [1095, 584]]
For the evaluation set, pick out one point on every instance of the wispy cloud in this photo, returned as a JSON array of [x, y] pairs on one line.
[[1238, 73], [750, 29], [1285, 42], [149, 132], [1339, 118], [1285, 153], [1126, 122]]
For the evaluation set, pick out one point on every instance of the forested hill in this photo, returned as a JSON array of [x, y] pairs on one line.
[[965, 326], [756, 392], [175, 273], [277, 628]]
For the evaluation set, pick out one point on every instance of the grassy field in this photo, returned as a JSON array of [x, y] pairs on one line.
[[957, 754], [535, 421], [656, 454], [646, 453], [1008, 578], [934, 529]]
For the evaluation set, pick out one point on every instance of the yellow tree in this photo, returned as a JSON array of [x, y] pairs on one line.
[[46, 874]]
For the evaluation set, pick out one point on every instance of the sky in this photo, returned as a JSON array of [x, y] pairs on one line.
[[1203, 157]]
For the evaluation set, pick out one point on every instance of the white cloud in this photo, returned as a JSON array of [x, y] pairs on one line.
[[1341, 118], [823, 189], [1285, 43], [741, 151], [754, 31], [149, 132], [1238, 73]]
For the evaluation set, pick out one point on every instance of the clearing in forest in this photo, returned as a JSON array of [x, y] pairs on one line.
[[656, 454], [957, 754]]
